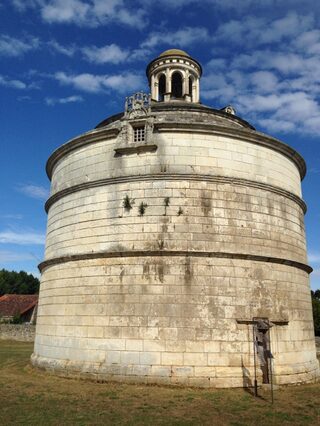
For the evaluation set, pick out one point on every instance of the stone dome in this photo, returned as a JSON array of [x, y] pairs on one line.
[[171, 52]]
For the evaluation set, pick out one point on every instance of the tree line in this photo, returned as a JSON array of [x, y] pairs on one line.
[[315, 296], [12, 282]]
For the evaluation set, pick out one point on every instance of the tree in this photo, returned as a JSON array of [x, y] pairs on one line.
[[12, 282], [315, 295]]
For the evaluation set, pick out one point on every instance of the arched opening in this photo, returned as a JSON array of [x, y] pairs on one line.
[[190, 88], [176, 83], [162, 87]]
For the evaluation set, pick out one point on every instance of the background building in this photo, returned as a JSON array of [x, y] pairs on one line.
[[18, 307]]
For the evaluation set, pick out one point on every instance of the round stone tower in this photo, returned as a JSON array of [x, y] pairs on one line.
[[175, 248]]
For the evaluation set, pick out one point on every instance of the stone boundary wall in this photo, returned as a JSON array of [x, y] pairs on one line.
[[19, 332]]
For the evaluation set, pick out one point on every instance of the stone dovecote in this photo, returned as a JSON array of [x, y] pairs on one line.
[[175, 249]]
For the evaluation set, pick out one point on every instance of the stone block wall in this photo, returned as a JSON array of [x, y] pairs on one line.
[[160, 296], [201, 215], [19, 332], [181, 152], [173, 320]]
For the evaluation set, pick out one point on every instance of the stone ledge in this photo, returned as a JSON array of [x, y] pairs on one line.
[[93, 136], [249, 136], [175, 177], [254, 137], [171, 253], [135, 149]]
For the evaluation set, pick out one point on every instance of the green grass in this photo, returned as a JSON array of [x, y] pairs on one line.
[[32, 397]]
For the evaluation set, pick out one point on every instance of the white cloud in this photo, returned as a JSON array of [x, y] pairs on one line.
[[92, 13], [236, 31], [287, 27], [64, 50], [93, 83], [316, 272], [314, 170], [34, 191], [235, 6], [259, 31], [14, 84], [11, 256], [21, 238], [223, 4], [23, 5], [314, 257], [264, 81], [309, 42], [180, 38], [285, 62], [276, 106], [276, 125], [216, 86], [296, 111], [65, 11], [107, 54], [12, 216], [24, 98], [276, 87], [216, 64], [285, 104], [67, 100], [11, 46]]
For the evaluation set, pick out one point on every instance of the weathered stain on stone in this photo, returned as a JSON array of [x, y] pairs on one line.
[[160, 270], [188, 272], [205, 202], [122, 273]]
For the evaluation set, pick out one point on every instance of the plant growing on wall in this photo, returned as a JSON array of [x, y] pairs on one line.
[[166, 203], [142, 208], [180, 211], [127, 203]]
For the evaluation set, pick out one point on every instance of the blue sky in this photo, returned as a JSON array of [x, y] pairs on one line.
[[67, 64]]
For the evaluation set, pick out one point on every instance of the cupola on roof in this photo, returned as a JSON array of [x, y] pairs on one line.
[[174, 76]]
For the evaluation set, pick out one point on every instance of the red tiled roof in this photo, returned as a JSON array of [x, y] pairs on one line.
[[13, 304]]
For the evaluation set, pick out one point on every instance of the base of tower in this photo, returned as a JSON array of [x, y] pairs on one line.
[[233, 377]]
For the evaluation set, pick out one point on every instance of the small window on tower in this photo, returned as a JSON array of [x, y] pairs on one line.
[[139, 134]]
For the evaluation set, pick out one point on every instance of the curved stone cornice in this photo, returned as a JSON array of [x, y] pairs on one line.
[[205, 128], [184, 107], [93, 136], [167, 176], [183, 253], [256, 138], [178, 106]]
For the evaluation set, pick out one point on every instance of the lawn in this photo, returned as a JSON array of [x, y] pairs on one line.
[[32, 397]]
